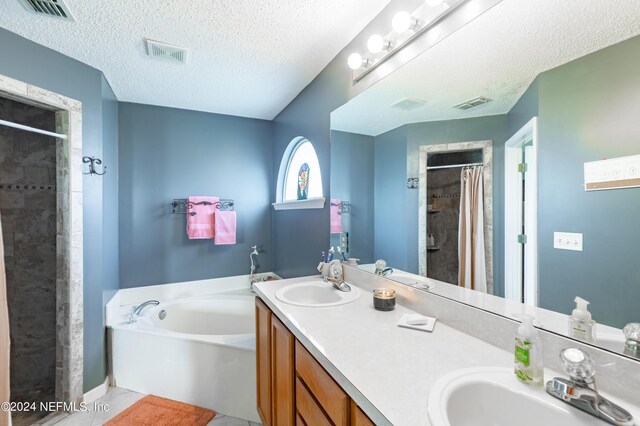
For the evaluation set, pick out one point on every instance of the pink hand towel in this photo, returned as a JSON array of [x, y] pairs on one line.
[[335, 214], [200, 226], [225, 224]]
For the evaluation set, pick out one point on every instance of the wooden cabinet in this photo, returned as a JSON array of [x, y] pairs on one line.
[[275, 346], [358, 417], [263, 361], [330, 396], [293, 388], [282, 374]]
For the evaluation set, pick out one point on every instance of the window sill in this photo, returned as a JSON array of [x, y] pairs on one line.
[[311, 203]]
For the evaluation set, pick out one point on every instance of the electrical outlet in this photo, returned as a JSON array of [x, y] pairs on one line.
[[567, 241]]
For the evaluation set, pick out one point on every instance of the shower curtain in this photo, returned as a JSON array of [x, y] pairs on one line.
[[5, 416], [471, 259]]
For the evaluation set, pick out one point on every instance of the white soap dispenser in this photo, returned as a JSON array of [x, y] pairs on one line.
[[529, 368], [581, 326]]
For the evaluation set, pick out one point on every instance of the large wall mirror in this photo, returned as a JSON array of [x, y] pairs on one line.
[[502, 162]]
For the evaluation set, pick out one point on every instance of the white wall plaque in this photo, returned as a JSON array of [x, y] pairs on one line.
[[616, 173]]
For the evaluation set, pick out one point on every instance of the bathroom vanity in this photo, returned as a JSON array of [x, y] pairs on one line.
[[293, 388], [351, 364]]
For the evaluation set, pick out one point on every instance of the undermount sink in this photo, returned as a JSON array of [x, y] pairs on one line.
[[493, 396], [316, 294]]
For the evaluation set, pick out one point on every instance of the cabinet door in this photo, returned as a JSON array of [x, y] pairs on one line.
[[263, 361], [282, 374]]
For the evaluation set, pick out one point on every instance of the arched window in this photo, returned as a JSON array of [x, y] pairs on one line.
[[299, 178]]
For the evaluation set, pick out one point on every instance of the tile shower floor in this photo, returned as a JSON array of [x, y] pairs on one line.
[[119, 400]]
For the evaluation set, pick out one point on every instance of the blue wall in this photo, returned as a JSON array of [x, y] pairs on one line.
[[588, 111], [37, 65], [110, 235], [352, 180], [168, 153], [396, 207], [299, 236], [391, 213]]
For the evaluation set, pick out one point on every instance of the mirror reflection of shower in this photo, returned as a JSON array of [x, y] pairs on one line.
[[443, 210]]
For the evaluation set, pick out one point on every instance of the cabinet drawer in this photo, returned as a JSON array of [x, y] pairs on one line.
[[308, 410], [299, 421], [333, 400], [358, 417]]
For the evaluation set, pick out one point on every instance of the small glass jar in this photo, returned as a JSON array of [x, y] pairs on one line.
[[384, 299]]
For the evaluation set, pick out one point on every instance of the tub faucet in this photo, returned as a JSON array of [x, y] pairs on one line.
[[135, 311], [580, 389], [252, 278]]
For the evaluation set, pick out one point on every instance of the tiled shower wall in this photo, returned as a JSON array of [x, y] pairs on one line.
[[443, 222], [28, 211]]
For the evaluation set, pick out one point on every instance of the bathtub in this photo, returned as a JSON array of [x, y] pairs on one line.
[[197, 346]]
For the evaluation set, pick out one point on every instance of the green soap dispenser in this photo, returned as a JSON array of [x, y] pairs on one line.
[[528, 360]]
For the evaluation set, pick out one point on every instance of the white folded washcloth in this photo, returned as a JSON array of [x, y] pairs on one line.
[[417, 322]]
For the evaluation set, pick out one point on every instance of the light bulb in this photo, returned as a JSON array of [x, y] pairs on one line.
[[401, 22], [355, 61], [433, 3], [375, 44]]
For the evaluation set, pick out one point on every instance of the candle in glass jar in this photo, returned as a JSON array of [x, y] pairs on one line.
[[384, 299]]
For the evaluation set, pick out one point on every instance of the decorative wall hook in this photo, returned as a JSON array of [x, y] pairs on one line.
[[93, 161], [412, 183]]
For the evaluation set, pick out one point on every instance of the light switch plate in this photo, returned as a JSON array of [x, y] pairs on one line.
[[567, 241]]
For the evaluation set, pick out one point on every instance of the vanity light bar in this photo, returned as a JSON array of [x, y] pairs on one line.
[[406, 28]]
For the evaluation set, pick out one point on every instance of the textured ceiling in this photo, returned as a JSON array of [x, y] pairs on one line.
[[498, 56], [246, 57]]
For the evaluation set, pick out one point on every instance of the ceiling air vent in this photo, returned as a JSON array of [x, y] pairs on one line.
[[53, 8], [408, 103], [472, 103], [170, 52]]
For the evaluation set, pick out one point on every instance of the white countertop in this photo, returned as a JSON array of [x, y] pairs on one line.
[[388, 370]]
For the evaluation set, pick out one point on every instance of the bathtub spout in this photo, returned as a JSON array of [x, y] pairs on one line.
[[135, 311], [253, 264]]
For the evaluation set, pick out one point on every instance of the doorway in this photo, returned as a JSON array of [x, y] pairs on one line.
[[521, 218], [63, 191]]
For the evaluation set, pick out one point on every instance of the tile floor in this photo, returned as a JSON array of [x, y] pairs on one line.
[[118, 400]]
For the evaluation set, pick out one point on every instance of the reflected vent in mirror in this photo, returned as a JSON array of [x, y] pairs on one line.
[[53, 8], [471, 103], [408, 103], [170, 52]]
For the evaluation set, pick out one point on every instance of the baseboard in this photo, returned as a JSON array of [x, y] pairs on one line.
[[97, 392]]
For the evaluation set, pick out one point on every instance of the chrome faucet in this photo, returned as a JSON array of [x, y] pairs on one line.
[[580, 389], [252, 276], [385, 272], [336, 276], [135, 311], [632, 335]]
